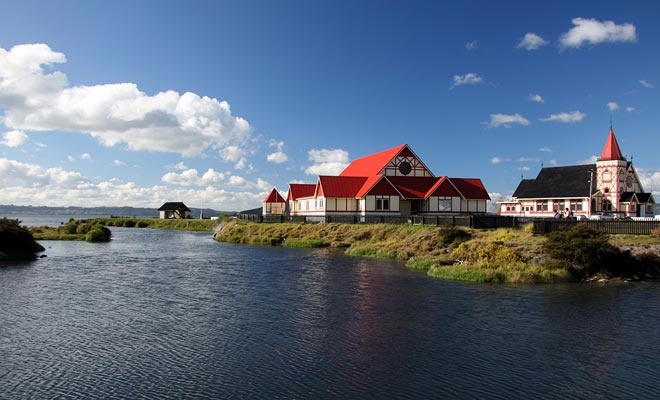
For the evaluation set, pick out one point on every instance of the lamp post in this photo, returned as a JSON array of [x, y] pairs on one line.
[[591, 179]]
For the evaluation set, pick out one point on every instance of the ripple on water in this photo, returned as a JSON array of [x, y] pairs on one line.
[[164, 315]]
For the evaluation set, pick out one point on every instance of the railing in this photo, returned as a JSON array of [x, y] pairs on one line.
[[630, 227], [468, 221]]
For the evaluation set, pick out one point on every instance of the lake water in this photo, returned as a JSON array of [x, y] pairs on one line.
[[169, 315]]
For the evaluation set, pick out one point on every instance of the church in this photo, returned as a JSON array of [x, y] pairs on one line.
[[393, 182], [609, 186]]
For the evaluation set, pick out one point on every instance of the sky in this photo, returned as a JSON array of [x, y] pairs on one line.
[[214, 103]]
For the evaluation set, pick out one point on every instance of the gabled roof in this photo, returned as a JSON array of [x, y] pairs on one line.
[[373, 164], [340, 186], [642, 198], [301, 190], [173, 206], [274, 197], [470, 188], [611, 149], [572, 181], [413, 187], [378, 185]]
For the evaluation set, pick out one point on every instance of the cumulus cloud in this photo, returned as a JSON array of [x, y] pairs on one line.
[[278, 157], [646, 84], [14, 139], [591, 160], [85, 156], [16, 173], [529, 159], [612, 106], [118, 163], [37, 100], [535, 98], [575, 116], [497, 120], [468, 79], [498, 160], [593, 31], [471, 45], [650, 181], [630, 109], [327, 162], [531, 41], [211, 177], [545, 149]]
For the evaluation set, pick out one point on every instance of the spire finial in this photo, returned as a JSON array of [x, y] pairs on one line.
[[611, 120]]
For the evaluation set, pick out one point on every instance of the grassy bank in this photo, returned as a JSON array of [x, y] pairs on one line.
[[501, 255], [87, 230], [204, 225]]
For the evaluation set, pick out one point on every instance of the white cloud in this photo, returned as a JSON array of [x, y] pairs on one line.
[[16, 173], [70, 158], [553, 163], [118, 163], [646, 84], [525, 168], [612, 106], [471, 45], [85, 156], [531, 41], [190, 177], [14, 139], [593, 31], [591, 160], [505, 120], [278, 157], [650, 181], [575, 116], [529, 159], [114, 114], [630, 109], [327, 162], [535, 98], [545, 149], [180, 166], [498, 160], [468, 79]]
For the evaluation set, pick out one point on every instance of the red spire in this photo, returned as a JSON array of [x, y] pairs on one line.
[[611, 150]]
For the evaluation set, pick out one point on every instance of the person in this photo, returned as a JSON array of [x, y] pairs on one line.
[[568, 213], [557, 214]]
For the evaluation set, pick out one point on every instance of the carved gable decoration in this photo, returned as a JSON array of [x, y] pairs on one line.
[[406, 163]]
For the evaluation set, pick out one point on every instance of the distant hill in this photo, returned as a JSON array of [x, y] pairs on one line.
[[8, 210], [255, 211]]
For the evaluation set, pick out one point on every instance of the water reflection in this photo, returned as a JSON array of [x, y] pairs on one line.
[[159, 314]]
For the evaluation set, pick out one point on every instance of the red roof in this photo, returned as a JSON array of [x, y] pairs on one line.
[[470, 188], [340, 186], [301, 190], [378, 185], [611, 150], [373, 164], [274, 197], [412, 187]]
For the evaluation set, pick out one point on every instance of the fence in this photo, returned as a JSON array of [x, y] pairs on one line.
[[542, 226], [468, 221]]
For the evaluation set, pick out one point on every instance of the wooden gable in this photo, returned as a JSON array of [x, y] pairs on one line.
[[406, 163]]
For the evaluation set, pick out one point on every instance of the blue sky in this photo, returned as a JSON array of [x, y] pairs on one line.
[[215, 102]]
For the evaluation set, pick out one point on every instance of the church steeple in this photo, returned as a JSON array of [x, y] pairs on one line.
[[611, 150]]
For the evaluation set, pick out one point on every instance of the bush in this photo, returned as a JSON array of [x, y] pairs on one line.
[[142, 224], [584, 251], [15, 238], [98, 234], [129, 223]]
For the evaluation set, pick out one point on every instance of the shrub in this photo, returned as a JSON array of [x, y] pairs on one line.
[[98, 234], [129, 223], [656, 232], [142, 224], [583, 250], [15, 238], [452, 235]]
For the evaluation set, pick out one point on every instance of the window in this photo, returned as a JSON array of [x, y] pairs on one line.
[[445, 205], [542, 205], [382, 204], [607, 205]]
